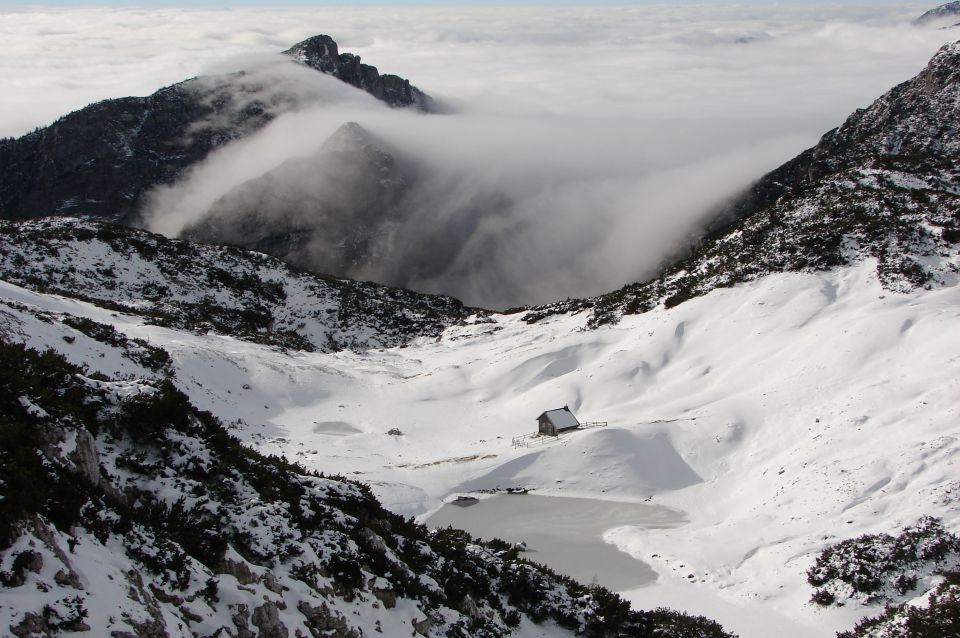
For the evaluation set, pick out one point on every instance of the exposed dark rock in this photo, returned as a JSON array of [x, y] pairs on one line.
[[31, 625], [320, 52], [323, 622], [239, 569], [67, 578], [266, 618], [25, 561]]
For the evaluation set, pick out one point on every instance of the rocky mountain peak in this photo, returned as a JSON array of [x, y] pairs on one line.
[[333, 211], [319, 52], [916, 117], [349, 137]]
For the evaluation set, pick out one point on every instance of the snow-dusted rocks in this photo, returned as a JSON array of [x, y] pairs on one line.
[[243, 294]]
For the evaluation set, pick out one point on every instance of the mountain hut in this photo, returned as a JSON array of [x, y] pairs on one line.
[[553, 422]]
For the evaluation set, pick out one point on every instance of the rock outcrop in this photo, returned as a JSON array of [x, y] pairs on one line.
[[321, 53]]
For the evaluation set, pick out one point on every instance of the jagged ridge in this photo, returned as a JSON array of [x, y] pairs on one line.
[[948, 11], [320, 52]]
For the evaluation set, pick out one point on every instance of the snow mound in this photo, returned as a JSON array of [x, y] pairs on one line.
[[614, 460]]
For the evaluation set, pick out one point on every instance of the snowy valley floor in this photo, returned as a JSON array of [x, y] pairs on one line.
[[779, 417]]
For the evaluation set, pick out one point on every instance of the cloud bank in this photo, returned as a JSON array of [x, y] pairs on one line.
[[595, 140]]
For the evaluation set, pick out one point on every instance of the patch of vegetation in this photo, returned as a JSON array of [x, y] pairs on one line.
[[939, 618], [875, 567], [28, 483], [138, 350]]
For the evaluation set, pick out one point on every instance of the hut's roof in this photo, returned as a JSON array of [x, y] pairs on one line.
[[561, 418]]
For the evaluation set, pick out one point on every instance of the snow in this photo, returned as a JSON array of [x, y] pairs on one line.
[[779, 416]]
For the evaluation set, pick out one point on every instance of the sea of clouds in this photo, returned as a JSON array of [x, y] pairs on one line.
[[610, 132]]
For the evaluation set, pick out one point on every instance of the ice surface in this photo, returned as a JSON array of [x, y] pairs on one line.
[[566, 534]]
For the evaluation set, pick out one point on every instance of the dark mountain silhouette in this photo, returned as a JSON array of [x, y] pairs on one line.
[[101, 160]]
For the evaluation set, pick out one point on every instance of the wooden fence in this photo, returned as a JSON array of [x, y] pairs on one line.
[[535, 438]]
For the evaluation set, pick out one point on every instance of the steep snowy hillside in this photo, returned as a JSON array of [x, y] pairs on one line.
[[885, 185], [103, 159]]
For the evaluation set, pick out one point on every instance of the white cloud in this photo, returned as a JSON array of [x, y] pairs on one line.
[[611, 130], [812, 64]]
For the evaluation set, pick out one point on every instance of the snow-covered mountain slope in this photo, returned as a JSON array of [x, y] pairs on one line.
[[780, 416], [884, 185], [246, 295], [126, 512]]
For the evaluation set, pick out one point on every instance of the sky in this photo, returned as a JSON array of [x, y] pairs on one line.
[[611, 130], [224, 4]]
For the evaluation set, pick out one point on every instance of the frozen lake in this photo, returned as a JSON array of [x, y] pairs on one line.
[[565, 534]]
